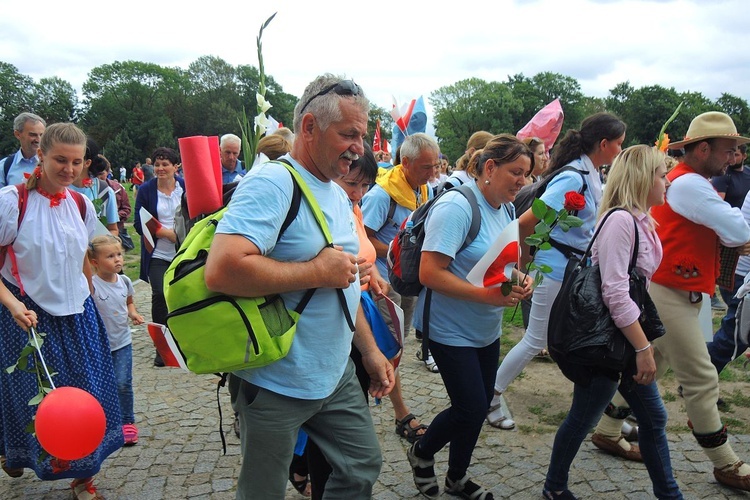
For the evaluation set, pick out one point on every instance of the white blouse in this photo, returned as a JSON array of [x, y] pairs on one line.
[[50, 246]]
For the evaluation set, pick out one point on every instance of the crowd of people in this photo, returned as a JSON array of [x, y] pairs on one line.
[[305, 418]]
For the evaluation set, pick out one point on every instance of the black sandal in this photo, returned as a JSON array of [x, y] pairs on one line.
[[404, 430], [300, 485]]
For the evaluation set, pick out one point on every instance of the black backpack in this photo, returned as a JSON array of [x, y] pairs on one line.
[[527, 194]]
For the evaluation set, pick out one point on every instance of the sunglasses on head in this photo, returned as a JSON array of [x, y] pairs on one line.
[[345, 87]]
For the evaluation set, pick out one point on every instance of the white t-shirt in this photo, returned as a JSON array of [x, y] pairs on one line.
[[112, 301], [50, 246]]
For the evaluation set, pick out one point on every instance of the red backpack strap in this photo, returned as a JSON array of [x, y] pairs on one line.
[[23, 196], [78, 198]]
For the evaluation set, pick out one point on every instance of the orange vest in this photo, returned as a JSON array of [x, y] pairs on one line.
[[691, 251]]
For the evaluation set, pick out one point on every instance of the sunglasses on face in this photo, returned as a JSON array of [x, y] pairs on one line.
[[345, 87]]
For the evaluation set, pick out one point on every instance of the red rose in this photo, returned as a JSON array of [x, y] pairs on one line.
[[88, 183], [574, 201]]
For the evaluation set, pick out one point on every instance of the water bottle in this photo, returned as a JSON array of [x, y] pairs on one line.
[[407, 230]]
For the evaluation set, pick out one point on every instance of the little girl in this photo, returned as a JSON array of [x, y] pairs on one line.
[[113, 294]]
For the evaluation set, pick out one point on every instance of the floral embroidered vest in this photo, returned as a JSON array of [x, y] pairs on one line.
[[691, 251]]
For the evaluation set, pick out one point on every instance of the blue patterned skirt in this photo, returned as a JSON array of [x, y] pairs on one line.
[[76, 346]]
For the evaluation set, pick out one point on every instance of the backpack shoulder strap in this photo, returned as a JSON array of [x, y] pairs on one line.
[[78, 198], [6, 166], [476, 216], [296, 200], [23, 196], [389, 218]]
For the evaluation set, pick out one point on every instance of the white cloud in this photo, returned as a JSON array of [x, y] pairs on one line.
[[400, 48]]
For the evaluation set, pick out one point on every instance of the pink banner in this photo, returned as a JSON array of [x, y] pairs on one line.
[[201, 166]]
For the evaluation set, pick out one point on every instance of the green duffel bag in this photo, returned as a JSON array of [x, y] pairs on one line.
[[220, 333]]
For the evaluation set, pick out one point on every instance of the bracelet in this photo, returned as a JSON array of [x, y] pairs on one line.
[[648, 346]]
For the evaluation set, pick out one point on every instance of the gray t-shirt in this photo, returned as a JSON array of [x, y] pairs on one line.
[[112, 301]]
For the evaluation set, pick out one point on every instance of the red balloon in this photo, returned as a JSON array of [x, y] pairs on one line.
[[70, 423]]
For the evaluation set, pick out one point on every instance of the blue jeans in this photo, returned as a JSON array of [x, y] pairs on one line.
[[122, 360], [469, 375], [588, 404], [722, 347]]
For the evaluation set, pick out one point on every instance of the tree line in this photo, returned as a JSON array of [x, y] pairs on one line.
[[132, 107]]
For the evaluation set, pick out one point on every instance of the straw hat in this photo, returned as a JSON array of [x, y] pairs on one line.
[[713, 124]]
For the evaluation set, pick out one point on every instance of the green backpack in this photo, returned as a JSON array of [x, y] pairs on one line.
[[221, 333]]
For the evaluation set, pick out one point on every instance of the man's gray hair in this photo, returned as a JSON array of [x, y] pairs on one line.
[[325, 107], [416, 143], [21, 120], [230, 138]]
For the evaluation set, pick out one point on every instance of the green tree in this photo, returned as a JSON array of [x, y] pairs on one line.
[[56, 100], [468, 106], [121, 151], [136, 97], [646, 111], [16, 96], [737, 108]]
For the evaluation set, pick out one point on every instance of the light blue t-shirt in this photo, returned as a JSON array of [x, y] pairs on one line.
[[18, 167], [375, 206], [320, 351], [109, 208], [577, 237], [457, 322]]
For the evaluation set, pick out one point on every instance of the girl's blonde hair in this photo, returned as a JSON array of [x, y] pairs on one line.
[[58, 133], [102, 241], [477, 141], [631, 178]]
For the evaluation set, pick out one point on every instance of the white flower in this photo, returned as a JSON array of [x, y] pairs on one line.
[[261, 122], [263, 105]]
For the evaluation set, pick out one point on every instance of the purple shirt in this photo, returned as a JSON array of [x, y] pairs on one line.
[[612, 250]]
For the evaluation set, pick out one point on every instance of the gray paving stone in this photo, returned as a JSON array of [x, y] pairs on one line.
[[179, 452]]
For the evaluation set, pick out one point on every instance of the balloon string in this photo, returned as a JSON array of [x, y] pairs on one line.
[[41, 356]]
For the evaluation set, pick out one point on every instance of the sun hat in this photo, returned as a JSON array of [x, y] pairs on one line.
[[710, 125]]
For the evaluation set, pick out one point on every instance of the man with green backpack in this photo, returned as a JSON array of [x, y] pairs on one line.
[[314, 386]]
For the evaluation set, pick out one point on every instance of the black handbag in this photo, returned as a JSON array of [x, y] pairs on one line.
[[581, 331]]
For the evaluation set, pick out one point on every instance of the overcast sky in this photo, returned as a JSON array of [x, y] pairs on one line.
[[400, 48]]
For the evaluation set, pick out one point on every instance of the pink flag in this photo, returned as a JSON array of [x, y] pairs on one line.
[[166, 346], [546, 124], [149, 226], [496, 266]]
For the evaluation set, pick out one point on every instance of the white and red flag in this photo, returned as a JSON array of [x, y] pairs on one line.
[[166, 346], [496, 266], [149, 226]]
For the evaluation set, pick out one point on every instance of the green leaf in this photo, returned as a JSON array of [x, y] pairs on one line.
[[533, 241], [545, 246], [37, 399], [549, 217], [26, 351], [30, 428], [563, 225], [542, 228], [23, 363], [574, 221], [11, 368], [538, 279], [545, 268], [506, 288], [539, 208]]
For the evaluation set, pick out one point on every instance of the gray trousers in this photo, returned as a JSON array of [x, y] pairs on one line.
[[340, 425]]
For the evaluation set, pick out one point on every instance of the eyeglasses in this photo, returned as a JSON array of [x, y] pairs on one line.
[[345, 87]]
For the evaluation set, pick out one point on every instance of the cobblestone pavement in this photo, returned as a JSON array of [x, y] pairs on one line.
[[179, 453]]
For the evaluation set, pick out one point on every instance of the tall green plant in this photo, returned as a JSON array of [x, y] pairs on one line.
[[253, 130]]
